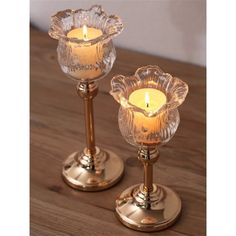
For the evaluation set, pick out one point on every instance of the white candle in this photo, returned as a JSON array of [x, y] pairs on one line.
[[148, 99], [86, 56]]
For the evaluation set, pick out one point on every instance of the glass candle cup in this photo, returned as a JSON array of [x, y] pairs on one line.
[[148, 118], [86, 54]]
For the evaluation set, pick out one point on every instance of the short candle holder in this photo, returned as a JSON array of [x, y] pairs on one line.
[[148, 118], [86, 54]]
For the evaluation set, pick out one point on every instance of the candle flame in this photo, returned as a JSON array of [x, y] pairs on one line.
[[85, 32], [147, 99]]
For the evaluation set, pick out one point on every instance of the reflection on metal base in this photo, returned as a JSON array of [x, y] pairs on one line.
[[82, 172], [143, 211]]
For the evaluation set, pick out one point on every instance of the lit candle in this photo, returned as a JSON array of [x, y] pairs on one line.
[[148, 99], [87, 56]]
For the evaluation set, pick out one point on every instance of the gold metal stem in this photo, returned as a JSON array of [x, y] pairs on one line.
[[148, 156], [149, 206], [92, 169], [89, 125], [148, 179], [88, 91]]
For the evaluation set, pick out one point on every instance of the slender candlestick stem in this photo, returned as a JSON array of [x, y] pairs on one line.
[[89, 125], [148, 156], [148, 177], [88, 91]]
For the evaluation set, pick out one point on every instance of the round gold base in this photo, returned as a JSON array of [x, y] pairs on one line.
[[79, 173], [141, 211]]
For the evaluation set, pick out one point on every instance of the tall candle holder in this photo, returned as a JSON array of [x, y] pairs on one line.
[[148, 206], [86, 54]]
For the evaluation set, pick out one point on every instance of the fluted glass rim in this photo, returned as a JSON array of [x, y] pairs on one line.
[[111, 30], [149, 77]]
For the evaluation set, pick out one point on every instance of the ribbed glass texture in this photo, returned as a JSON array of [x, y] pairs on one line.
[[91, 59], [166, 119]]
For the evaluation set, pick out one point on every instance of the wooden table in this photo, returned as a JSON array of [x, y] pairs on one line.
[[57, 129]]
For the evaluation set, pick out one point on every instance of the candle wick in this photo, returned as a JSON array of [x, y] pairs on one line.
[[147, 99]]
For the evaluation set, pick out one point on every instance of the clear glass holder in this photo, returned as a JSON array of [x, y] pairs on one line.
[[88, 60], [92, 169], [148, 206]]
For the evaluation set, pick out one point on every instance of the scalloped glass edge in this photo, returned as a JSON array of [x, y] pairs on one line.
[[112, 24], [151, 76]]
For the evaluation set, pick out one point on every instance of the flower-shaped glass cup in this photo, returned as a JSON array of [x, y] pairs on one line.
[[148, 207], [165, 119], [89, 58], [86, 54]]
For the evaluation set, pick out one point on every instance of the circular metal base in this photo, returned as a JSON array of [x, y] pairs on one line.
[[80, 173], [141, 211]]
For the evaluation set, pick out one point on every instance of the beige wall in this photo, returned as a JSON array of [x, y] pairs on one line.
[[170, 28]]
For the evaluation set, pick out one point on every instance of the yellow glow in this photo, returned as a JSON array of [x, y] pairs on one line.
[[85, 32], [86, 54], [148, 99]]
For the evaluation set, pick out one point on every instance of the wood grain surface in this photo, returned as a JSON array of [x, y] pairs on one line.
[[57, 129]]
